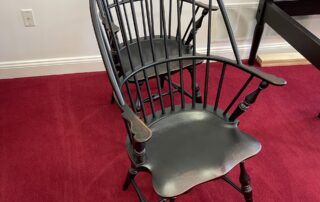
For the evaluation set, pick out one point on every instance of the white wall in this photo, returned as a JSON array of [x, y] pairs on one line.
[[63, 40], [63, 30]]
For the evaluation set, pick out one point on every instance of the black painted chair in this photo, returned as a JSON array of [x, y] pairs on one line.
[[180, 142], [123, 31]]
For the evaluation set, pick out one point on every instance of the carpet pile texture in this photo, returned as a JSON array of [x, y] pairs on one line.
[[61, 140]]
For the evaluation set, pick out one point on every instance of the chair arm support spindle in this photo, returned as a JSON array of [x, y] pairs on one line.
[[249, 100], [197, 26]]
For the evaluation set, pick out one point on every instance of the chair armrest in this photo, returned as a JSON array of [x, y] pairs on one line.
[[202, 5], [272, 79], [142, 133]]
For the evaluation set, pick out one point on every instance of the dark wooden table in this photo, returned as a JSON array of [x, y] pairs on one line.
[[277, 14]]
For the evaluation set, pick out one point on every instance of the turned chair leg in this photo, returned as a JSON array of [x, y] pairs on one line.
[[197, 88], [130, 176], [198, 94], [138, 103], [245, 183]]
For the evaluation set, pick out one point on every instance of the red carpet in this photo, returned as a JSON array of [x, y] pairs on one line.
[[61, 140]]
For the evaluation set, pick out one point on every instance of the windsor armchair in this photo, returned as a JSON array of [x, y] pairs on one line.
[[122, 30], [180, 142]]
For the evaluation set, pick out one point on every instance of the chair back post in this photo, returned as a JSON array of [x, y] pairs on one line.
[[229, 30], [104, 45]]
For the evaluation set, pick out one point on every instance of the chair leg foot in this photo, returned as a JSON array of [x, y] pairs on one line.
[[130, 176], [245, 183]]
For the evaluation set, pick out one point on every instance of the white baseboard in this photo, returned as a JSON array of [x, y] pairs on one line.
[[244, 49], [56, 66]]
